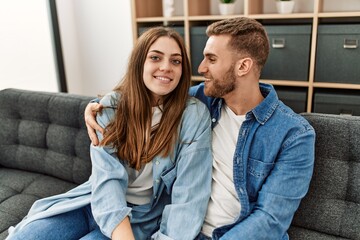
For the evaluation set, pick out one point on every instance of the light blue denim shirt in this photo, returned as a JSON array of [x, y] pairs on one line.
[[181, 184], [273, 165]]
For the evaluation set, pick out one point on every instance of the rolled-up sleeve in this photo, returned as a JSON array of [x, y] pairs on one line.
[[109, 181]]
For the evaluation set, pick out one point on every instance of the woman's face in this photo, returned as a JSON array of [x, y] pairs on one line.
[[162, 67]]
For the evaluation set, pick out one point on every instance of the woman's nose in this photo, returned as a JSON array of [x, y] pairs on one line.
[[165, 66]]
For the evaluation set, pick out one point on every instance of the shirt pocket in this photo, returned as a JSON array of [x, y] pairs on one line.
[[256, 175], [168, 177]]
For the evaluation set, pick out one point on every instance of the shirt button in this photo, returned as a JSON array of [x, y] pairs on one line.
[[157, 181], [155, 197], [157, 162], [213, 120]]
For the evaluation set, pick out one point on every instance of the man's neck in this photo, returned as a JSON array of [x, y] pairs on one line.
[[243, 99]]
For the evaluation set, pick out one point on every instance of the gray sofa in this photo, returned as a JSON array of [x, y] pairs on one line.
[[44, 150]]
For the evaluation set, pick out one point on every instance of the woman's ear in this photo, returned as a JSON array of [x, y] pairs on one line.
[[243, 66]]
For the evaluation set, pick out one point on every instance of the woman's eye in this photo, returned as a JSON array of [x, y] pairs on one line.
[[176, 62], [155, 58]]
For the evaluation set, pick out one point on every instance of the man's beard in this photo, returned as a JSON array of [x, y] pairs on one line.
[[219, 88]]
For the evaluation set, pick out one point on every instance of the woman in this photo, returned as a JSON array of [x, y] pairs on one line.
[[151, 173]]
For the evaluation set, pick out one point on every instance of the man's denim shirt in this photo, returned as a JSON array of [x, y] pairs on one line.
[[273, 165]]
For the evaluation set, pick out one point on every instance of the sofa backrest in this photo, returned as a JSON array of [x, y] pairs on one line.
[[331, 209], [45, 132]]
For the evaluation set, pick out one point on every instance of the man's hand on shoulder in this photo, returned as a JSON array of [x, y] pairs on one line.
[[90, 119]]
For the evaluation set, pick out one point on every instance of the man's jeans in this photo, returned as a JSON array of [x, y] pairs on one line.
[[77, 224]]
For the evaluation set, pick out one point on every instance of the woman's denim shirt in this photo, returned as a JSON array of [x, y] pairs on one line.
[[181, 184], [273, 165]]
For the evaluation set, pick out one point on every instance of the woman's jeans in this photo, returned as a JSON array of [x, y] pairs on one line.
[[77, 224], [202, 237]]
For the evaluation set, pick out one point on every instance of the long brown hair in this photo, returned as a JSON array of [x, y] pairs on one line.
[[130, 132]]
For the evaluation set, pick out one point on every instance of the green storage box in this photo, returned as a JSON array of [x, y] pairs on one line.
[[198, 40], [293, 97], [179, 29], [340, 102], [338, 53], [289, 52]]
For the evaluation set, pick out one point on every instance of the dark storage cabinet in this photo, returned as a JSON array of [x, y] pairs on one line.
[[289, 52], [338, 53], [293, 97], [198, 40], [179, 29], [343, 102]]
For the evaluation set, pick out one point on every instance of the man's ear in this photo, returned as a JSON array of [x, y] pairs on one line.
[[243, 66]]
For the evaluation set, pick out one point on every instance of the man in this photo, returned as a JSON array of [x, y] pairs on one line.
[[263, 152]]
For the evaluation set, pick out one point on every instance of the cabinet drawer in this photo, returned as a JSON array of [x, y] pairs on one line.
[[289, 52], [295, 98], [198, 40], [337, 102], [179, 29], [338, 53]]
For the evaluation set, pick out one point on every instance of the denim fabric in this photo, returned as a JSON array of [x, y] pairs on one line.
[[73, 225], [181, 184], [202, 237], [273, 165]]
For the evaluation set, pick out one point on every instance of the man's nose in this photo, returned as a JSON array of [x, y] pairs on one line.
[[202, 68]]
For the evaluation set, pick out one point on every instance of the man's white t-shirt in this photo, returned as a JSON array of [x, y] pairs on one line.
[[224, 205]]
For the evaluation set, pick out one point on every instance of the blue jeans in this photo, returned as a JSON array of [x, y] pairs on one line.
[[77, 224], [202, 237]]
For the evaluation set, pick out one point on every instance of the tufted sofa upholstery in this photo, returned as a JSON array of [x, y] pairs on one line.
[[44, 150], [331, 209]]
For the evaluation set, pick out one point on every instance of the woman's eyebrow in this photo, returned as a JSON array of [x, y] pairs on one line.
[[160, 52]]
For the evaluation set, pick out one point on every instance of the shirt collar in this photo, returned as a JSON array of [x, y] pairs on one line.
[[266, 108]]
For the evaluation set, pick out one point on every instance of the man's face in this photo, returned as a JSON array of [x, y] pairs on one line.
[[218, 67]]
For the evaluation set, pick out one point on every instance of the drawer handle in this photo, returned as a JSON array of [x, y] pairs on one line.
[[351, 43], [278, 42]]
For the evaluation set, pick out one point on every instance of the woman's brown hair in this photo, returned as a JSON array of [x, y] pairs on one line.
[[131, 133]]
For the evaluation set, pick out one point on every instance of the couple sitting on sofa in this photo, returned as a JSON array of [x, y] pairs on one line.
[[234, 165]]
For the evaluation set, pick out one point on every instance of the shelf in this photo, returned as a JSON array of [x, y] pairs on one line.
[[338, 14], [210, 17], [200, 13], [282, 16], [160, 19], [336, 85], [286, 83]]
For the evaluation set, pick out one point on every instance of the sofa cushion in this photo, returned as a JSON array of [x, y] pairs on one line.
[[44, 149], [45, 133], [18, 191], [332, 206]]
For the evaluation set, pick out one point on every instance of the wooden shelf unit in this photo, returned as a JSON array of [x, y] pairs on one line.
[[149, 12]]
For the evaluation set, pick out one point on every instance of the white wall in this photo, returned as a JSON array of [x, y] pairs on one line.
[[27, 59], [96, 40]]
